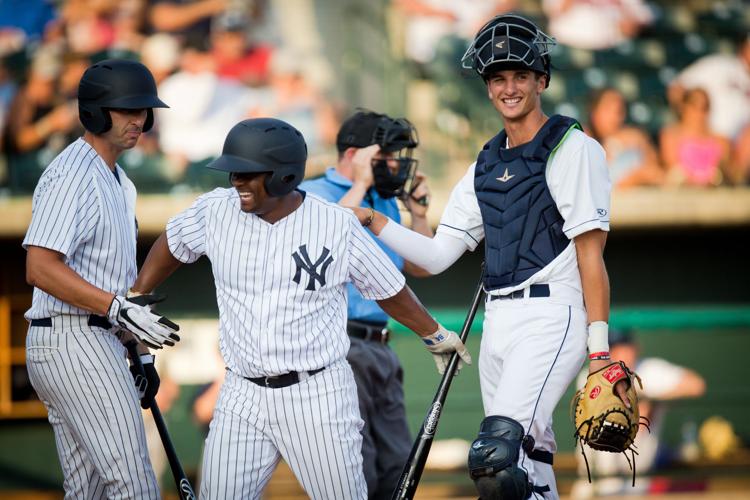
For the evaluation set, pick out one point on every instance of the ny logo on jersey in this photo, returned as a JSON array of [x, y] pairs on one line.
[[303, 262]]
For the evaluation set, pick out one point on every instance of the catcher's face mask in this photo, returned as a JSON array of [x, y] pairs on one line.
[[393, 168]]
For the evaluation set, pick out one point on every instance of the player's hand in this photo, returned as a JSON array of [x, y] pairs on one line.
[[147, 386], [134, 315], [621, 387], [418, 199], [362, 162], [442, 344]]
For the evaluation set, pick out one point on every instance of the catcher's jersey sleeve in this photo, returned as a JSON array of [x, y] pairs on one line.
[[370, 269], [462, 217], [579, 183], [186, 231]]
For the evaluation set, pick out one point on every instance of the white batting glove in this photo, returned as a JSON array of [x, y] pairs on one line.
[[134, 315], [442, 344]]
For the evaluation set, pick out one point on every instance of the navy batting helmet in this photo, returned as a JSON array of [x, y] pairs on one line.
[[116, 84], [265, 145], [509, 42]]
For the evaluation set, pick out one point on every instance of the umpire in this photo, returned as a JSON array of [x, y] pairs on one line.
[[375, 168]]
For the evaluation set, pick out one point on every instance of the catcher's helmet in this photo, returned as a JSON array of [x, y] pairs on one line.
[[393, 135], [115, 83], [265, 145], [509, 42]]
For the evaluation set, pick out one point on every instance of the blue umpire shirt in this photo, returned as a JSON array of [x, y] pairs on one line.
[[332, 187]]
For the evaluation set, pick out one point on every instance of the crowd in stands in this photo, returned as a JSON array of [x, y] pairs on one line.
[[216, 62], [663, 85]]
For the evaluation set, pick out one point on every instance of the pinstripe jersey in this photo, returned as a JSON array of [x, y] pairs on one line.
[[281, 287], [81, 210]]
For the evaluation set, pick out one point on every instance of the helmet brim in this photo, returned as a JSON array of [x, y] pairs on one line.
[[232, 163], [135, 102]]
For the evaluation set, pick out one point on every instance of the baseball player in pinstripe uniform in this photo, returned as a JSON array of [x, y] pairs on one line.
[[375, 169], [281, 259], [81, 259], [538, 195]]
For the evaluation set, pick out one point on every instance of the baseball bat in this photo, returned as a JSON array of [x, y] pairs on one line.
[[184, 489], [407, 483]]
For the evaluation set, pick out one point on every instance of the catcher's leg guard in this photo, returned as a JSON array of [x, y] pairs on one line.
[[493, 460]]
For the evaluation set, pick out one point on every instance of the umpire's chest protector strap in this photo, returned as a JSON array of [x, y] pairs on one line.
[[522, 226]]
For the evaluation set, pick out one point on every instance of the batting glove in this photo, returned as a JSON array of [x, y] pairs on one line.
[[134, 315], [147, 385], [442, 344]]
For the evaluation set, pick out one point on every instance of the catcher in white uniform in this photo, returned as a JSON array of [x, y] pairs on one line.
[[538, 195], [281, 260]]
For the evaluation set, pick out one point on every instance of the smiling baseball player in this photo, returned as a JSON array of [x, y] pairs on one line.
[[281, 260], [538, 194]]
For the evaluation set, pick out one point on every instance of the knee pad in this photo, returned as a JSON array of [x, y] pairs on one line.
[[493, 460]]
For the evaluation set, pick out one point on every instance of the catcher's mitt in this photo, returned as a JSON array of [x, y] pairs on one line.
[[601, 418]]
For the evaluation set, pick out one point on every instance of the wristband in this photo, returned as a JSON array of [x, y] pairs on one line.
[[369, 218], [594, 356], [598, 340]]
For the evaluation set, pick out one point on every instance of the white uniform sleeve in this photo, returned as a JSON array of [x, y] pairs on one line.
[[64, 213], [659, 376], [434, 255], [186, 231], [579, 183], [462, 217], [370, 269]]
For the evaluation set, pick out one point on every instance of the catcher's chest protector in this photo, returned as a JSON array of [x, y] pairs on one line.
[[522, 226]]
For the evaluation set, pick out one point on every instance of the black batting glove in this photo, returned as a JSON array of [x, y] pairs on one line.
[[147, 386]]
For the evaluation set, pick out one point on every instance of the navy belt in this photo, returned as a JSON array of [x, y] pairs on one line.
[[534, 291], [93, 320], [279, 381], [377, 332]]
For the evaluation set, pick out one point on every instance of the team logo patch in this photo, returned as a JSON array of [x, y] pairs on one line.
[[505, 177], [500, 46], [601, 212], [595, 392], [304, 263], [613, 373]]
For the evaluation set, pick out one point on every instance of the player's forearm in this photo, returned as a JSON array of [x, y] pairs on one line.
[[46, 270], [405, 308], [594, 279], [159, 265], [434, 255], [355, 195]]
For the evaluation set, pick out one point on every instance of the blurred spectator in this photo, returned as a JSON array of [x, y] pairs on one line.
[[294, 99], [428, 21], [43, 116], [662, 382], [161, 54], [596, 24], [726, 79], [88, 24], [193, 133], [235, 58], [631, 157], [691, 151], [190, 20], [22, 21], [8, 89], [741, 158]]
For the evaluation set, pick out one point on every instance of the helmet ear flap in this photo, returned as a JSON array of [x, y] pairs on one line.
[[94, 119], [281, 182], [149, 120]]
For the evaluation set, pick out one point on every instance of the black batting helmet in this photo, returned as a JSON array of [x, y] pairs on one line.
[[116, 83], [509, 41], [265, 145]]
